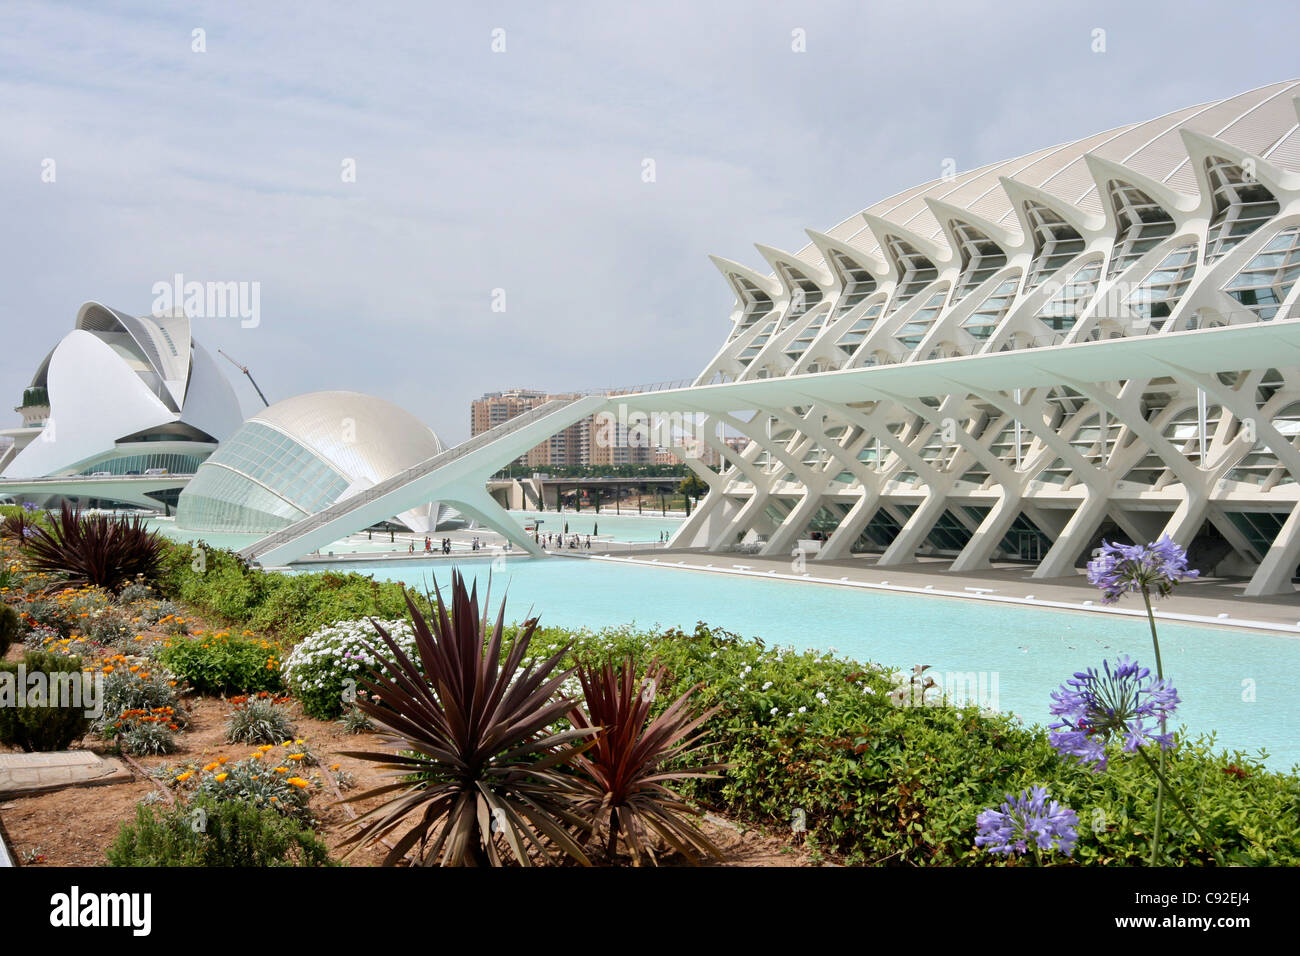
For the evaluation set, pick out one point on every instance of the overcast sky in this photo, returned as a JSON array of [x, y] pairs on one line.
[[522, 170]]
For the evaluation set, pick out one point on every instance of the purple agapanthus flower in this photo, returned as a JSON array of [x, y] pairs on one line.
[[1119, 703], [1154, 567], [1030, 817], [29, 506]]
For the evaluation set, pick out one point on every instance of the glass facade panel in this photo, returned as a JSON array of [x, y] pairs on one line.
[[297, 483]]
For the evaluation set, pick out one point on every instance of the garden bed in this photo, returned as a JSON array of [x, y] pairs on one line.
[[40, 833], [865, 765]]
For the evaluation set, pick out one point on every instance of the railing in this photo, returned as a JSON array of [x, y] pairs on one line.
[[393, 482], [614, 391], [63, 479]]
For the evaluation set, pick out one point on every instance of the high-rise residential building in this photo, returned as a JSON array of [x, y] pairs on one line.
[[586, 442]]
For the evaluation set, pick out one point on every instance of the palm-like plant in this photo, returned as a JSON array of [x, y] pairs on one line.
[[477, 754], [634, 760], [16, 526], [107, 552]]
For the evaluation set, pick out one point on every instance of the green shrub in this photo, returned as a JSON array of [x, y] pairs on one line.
[[150, 613], [274, 778], [221, 833], [135, 592], [817, 739], [145, 737], [288, 605], [109, 627], [146, 691], [42, 723], [10, 626], [324, 670], [259, 720], [46, 614], [221, 664], [355, 721]]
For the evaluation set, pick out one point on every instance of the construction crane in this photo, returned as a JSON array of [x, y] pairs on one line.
[[244, 369]]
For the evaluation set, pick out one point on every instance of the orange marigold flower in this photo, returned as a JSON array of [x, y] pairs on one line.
[[298, 782]]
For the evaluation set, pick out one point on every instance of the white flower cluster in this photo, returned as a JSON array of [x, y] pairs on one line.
[[339, 651]]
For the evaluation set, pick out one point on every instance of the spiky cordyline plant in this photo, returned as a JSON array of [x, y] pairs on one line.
[[476, 753], [16, 527], [634, 760], [101, 550]]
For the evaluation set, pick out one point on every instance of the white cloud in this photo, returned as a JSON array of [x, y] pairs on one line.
[[521, 170]]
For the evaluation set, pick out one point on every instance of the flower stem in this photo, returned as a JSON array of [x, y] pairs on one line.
[[1160, 775]]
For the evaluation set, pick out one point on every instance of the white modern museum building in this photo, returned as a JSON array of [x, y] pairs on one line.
[[1096, 339]]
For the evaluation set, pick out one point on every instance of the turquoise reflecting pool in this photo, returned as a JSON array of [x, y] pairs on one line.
[[1240, 684]]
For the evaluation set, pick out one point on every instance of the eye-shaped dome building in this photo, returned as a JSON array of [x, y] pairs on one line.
[[301, 455]]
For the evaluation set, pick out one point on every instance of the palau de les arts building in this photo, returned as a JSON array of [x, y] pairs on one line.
[[1003, 365]]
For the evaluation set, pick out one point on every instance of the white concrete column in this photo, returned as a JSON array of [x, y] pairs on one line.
[[1187, 519], [1279, 564], [1078, 531], [850, 528], [903, 548], [988, 535], [487, 512], [795, 522]]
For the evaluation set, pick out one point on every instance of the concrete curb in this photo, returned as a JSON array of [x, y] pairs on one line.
[[1223, 623]]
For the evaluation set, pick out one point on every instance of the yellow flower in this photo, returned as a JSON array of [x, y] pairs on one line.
[[264, 748], [281, 769], [185, 776], [211, 767], [295, 756], [221, 777], [297, 782]]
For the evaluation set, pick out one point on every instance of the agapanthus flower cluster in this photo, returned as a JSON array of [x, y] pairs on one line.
[[1122, 702], [1154, 567], [1028, 820]]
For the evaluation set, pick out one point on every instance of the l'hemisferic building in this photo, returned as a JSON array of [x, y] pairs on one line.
[[1093, 340]]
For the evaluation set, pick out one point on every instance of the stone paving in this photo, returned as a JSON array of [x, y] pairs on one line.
[[1216, 601], [25, 774]]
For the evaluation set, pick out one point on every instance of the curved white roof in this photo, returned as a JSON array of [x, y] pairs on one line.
[[115, 375], [1262, 122], [364, 437]]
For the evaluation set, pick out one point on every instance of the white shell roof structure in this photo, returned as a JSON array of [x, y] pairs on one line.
[[118, 380], [1261, 122], [939, 375], [301, 455]]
